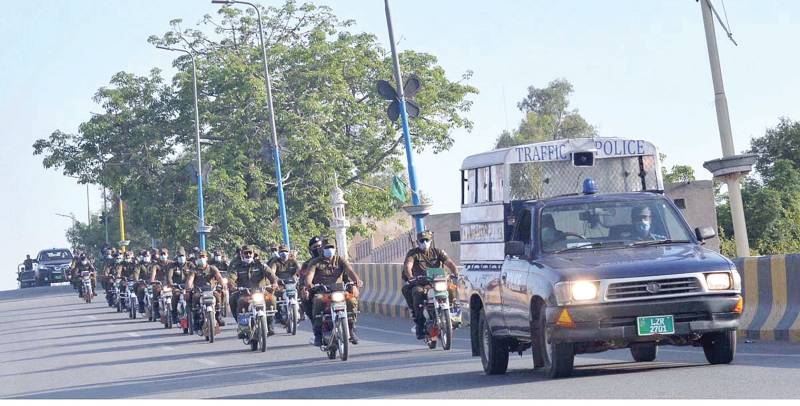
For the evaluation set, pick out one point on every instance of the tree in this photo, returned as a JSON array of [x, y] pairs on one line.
[[330, 120], [781, 142], [679, 173], [547, 117]]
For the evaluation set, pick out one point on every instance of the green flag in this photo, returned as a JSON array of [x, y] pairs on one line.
[[399, 189]]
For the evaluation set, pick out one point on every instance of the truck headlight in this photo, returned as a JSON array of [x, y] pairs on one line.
[[579, 291], [584, 291], [718, 281]]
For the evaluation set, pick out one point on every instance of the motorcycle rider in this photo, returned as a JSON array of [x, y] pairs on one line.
[[201, 276], [284, 267], [315, 249], [250, 273], [83, 264], [158, 272], [126, 270], [106, 266], [416, 264], [329, 270], [177, 273], [143, 265], [220, 261]]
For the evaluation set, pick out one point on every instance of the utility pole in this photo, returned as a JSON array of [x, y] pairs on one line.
[[418, 211], [105, 215], [88, 211], [731, 166]]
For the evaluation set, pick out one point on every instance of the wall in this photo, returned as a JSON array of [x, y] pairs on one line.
[[700, 210]]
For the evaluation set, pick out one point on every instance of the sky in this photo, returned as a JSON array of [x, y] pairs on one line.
[[639, 69]]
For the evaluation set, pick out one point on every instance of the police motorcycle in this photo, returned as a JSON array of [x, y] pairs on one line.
[[289, 306], [165, 304], [132, 301], [114, 299], [126, 298], [203, 314], [86, 286], [440, 323], [335, 326], [252, 324], [184, 315], [149, 307]]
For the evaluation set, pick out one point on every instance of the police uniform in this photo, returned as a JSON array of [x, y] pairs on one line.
[[415, 295], [329, 272], [250, 276]]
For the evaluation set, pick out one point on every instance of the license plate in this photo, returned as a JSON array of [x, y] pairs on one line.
[[651, 325]]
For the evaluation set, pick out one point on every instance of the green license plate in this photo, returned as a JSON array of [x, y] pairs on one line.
[[651, 325]]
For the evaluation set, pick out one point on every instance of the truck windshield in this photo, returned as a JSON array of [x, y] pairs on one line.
[[610, 223]]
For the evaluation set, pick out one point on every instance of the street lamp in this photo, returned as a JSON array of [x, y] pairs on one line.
[[276, 153], [202, 229]]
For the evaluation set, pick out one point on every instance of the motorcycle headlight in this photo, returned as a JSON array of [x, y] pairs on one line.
[[258, 297], [440, 286], [718, 281], [337, 296]]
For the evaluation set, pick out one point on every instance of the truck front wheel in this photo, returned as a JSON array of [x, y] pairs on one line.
[[719, 347], [559, 358], [494, 353]]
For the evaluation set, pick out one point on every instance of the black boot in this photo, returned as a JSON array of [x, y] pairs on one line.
[[270, 329], [353, 336], [420, 328]]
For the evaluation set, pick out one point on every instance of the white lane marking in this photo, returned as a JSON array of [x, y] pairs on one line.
[[268, 375], [359, 327], [168, 348], [134, 334], [92, 317], [206, 361], [739, 353]]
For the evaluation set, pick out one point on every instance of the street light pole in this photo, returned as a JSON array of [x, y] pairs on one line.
[[412, 176], [731, 166], [276, 148], [201, 228]]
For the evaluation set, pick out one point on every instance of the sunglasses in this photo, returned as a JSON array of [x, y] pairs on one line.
[[425, 240]]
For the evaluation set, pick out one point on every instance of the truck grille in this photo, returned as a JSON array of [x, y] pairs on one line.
[[652, 288]]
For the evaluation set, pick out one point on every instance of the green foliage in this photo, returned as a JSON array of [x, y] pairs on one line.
[[679, 173], [547, 117], [330, 121], [771, 203]]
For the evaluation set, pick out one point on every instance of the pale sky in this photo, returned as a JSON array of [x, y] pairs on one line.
[[639, 68]]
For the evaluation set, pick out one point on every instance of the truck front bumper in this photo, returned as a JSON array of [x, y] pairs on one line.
[[693, 315]]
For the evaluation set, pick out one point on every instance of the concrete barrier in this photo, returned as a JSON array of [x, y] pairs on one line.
[[771, 290], [381, 293]]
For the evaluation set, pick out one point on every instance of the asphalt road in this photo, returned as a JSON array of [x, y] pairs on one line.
[[54, 346]]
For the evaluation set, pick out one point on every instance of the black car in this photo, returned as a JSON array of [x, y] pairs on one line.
[[52, 266]]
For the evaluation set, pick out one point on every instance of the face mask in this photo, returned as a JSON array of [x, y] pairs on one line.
[[328, 252], [201, 262], [424, 245], [108, 257], [217, 258], [118, 260], [274, 254], [146, 260], [284, 255], [248, 260], [163, 258], [643, 226], [181, 259], [84, 262]]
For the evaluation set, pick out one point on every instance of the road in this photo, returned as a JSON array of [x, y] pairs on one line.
[[54, 346]]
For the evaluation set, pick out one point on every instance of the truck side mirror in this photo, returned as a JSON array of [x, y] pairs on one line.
[[705, 233], [515, 248]]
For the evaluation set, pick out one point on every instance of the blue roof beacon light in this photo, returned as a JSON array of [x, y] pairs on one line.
[[589, 186]]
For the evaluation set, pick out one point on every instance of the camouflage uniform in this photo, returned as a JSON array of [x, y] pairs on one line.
[[329, 272]]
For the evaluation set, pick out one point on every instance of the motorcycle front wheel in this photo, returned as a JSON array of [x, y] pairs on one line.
[[167, 317], [211, 321], [262, 334], [292, 320], [445, 329], [343, 335]]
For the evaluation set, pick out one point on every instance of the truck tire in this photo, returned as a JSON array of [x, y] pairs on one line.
[[559, 358], [494, 353], [644, 352], [719, 347]]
